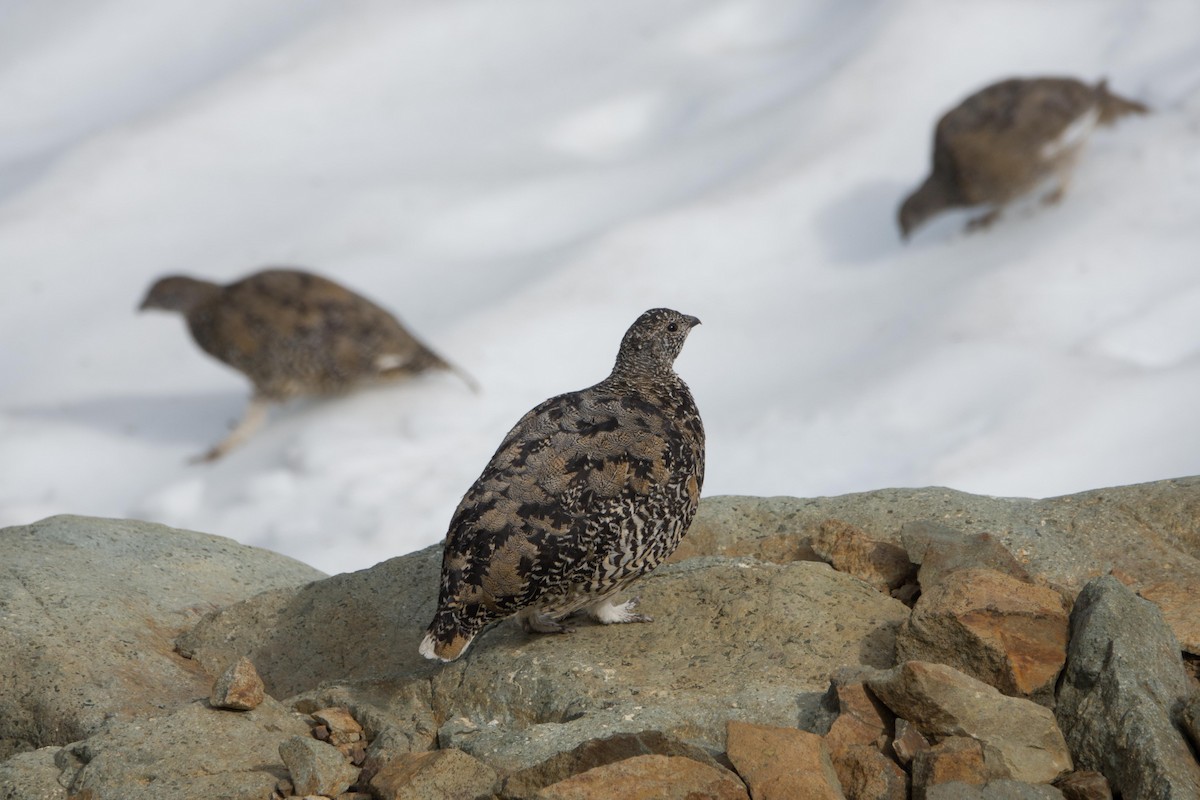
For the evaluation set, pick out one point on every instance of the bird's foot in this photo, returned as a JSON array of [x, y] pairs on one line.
[[539, 622], [606, 613], [207, 457], [984, 221]]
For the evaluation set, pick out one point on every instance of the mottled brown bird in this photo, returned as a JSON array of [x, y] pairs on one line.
[[1007, 140], [292, 334], [589, 491]]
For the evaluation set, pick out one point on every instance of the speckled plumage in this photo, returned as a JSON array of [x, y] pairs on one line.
[[589, 491], [1008, 139], [292, 334]]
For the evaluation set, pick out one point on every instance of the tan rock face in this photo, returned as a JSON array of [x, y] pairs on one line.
[[862, 719], [990, 625], [779, 763], [1020, 739], [1084, 785], [651, 777]]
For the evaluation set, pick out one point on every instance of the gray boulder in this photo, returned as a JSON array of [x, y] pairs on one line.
[[196, 752], [733, 639], [91, 608], [1122, 692]]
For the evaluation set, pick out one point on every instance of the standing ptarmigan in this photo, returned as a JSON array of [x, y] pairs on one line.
[[589, 491], [292, 334], [1008, 139]]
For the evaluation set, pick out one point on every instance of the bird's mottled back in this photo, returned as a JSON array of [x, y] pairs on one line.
[[589, 490]]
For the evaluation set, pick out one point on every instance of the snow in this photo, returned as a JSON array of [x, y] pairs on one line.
[[518, 181]]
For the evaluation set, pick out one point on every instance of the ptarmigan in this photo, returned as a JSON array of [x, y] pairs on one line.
[[589, 491], [1007, 140], [292, 334]]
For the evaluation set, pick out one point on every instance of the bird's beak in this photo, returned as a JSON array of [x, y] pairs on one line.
[[693, 321]]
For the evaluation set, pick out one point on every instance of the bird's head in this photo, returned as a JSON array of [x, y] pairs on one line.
[[653, 342], [177, 293]]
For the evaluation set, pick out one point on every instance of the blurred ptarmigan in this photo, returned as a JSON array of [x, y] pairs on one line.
[[292, 334], [589, 491], [1007, 140]]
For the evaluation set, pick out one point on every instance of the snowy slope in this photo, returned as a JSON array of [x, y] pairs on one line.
[[518, 181]]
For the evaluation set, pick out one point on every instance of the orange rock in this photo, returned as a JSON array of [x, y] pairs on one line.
[[862, 719], [957, 758], [848, 549], [781, 763], [995, 627], [867, 774], [239, 687], [651, 777]]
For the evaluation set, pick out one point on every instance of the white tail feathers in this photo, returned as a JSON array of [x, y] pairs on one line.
[[427, 650]]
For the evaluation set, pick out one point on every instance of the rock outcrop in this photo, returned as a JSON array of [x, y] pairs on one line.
[[904, 667], [91, 609]]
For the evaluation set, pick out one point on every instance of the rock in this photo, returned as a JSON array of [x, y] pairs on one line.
[[1177, 602], [394, 720], [1084, 785], [941, 549], [196, 752], [845, 547], [239, 688], [649, 778], [1150, 530], [526, 782], [316, 767], [734, 639], [437, 773], [1020, 739], [340, 725], [32, 776], [993, 627], [996, 790], [862, 721], [956, 759], [908, 741], [79, 644], [1123, 679], [779, 763], [867, 774], [1189, 717]]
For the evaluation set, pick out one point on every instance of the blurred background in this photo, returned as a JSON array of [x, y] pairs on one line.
[[518, 181]]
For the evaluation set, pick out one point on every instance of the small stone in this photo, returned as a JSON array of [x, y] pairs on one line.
[[867, 774], [1084, 785], [1020, 738], [908, 741], [940, 550], [316, 767], [239, 688], [435, 773], [862, 719], [321, 732], [1189, 717], [342, 726], [956, 758], [650, 777], [782, 762], [1003, 631], [848, 549], [1177, 602]]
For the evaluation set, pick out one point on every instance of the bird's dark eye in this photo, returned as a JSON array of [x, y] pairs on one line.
[[672, 327]]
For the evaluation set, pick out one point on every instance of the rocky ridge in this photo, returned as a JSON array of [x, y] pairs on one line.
[[893, 644]]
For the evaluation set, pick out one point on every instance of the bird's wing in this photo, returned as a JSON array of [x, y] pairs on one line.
[[565, 479]]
